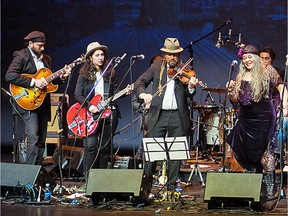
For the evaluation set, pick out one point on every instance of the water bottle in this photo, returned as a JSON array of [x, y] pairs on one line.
[[178, 186], [47, 192]]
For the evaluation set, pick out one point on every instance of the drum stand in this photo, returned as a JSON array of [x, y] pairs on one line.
[[196, 167]]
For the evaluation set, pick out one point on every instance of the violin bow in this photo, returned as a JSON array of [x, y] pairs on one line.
[[172, 78]]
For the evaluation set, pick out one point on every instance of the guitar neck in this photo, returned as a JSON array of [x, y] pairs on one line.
[[58, 73], [115, 97]]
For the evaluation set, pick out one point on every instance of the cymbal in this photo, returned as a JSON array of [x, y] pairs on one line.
[[217, 90], [206, 106]]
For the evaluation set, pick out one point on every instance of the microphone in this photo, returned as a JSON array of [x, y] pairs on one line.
[[123, 56], [239, 44], [234, 63], [219, 42], [229, 22], [287, 60], [140, 57]]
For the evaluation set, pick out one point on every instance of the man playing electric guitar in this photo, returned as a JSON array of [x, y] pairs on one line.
[[27, 62]]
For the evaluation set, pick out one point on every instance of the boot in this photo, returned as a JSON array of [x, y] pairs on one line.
[[269, 179]]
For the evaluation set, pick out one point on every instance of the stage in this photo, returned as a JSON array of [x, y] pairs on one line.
[[193, 198]]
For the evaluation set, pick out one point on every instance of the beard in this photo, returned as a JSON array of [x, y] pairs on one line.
[[172, 63], [37, 53]]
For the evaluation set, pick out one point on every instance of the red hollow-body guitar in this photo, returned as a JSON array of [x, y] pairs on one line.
[[81, 120], [32, 98]]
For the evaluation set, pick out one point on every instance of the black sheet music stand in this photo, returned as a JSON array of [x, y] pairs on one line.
[[168, 148]]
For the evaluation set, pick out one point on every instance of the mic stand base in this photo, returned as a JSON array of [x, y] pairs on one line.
[[196, 169]]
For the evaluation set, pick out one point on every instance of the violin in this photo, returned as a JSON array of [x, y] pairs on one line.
[[183, 74]]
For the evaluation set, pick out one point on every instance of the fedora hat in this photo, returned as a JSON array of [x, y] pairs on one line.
[[95, 46], [171, 45]]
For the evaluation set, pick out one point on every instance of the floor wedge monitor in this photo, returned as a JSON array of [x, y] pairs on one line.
[[119, 184], [13, 174], [235, 190]]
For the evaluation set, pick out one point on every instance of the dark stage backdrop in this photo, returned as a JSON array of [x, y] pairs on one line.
[[140, 27]]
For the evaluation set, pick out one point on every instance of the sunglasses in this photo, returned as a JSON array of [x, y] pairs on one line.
[[266, 58]]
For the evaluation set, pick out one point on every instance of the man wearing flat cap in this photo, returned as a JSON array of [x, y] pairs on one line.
[[168, 110], [28, 61]]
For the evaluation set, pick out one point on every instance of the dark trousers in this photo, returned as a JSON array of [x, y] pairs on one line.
[[97, 146], [36, 131], [168, 125]]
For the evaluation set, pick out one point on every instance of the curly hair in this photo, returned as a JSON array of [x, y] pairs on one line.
[[259, 80]]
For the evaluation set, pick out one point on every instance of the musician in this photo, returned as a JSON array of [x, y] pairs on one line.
[[97, 146], [252, 134], [268, 57], [28, 61], [168, 112]]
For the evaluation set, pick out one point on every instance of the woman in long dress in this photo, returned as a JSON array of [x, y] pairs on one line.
[[252, 134]]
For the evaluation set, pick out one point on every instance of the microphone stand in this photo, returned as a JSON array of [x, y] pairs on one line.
[[129, 69], [132, 61], [88, 96], [117, 60], [189, 47], [223, 117], [94, 86], [62, 133]]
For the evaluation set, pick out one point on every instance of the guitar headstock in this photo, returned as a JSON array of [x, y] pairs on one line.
[[80, 60]]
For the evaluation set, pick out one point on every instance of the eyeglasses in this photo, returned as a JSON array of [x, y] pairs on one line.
[[266, 58]]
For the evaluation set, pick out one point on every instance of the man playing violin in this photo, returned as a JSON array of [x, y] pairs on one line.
[[168, 110]]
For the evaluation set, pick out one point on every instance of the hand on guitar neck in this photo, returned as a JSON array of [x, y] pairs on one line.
[[42, 82]]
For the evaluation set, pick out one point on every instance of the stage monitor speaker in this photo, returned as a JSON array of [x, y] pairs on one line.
[[119, 184], [12, 174], [235, 190]]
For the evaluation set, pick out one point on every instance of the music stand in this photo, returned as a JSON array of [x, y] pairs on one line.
[[167, 148]]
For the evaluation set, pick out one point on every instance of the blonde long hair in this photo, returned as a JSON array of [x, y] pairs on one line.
[[259, 80]]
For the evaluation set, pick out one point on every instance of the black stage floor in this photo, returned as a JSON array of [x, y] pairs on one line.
[[74, 202]]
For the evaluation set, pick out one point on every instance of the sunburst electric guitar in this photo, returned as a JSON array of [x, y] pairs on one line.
[[79, 119], [32, 98]]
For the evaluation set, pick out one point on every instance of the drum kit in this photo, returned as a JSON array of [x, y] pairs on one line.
[[212, 124]]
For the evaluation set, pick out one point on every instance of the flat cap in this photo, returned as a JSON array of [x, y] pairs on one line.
[[36, 36]]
